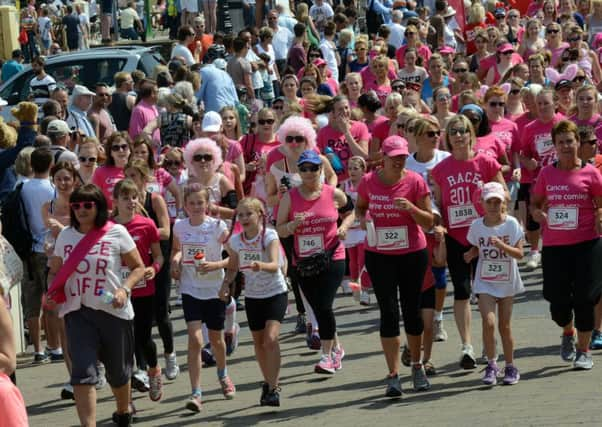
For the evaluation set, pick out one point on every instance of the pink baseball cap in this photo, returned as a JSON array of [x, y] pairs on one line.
[[395, 145], [318, 62], [505, 47], [493, 189], [447, 50]]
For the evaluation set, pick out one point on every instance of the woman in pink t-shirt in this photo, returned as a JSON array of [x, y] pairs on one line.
[[118, 149], [399, 205], [456, 185], [566, 201], [310, 213], [380, 84], [587, 114]]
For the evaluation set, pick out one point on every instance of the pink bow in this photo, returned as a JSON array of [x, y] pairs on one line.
[[569, 73], [484, 88]]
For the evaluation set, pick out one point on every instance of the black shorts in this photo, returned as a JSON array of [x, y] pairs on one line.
[[93, 335], [572, 273], [427, 298], [260, 310], [212, 312], [524, 195]]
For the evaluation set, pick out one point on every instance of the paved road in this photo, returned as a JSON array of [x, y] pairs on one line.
[[549, 393]]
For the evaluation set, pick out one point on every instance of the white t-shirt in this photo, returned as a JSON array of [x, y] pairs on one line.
[[100, 269], [330, 57], [34, 194], [272, 64], [204, 238], [497, 273], [128, 16], [423, 170], [184, 52], [44, 25], [320, 14], [282, 42], [259, 284], [397, 34], [419, 75]]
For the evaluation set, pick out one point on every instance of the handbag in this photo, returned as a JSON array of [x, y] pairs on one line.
[[56, 292], [11, 267], [315, 264]]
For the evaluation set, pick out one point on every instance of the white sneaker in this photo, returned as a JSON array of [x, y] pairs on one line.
[[346, 288], [171, 366], [102, 377], [533, 261], [467, 359], [364, 298]]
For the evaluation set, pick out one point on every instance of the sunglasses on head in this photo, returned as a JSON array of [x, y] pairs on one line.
[[87, 159], [266, 121], [497, 104], [432, 133], [121, 147], [202, 157], [309, 168], [294, 138], [458, 131], [169, 163], [78, 205]]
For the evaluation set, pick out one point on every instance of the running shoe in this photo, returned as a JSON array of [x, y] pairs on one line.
[[346, 288], [490, 377], [207, 356], [265, 389], [567, 348], [313, 342], [325, 365], [301, 327], [467, 359], [439, 333], [511, 375], [67, 392], [406, 357], [364, 298], [156, 385], [231, 339], [393, 386], [337, 356], [40, 359], [195, 403], [140, 381], [533, 260], [474, 300], [429, 368], [122, 420], [171, 366], [102, 376], [227, 387], [421, 382], [272, 398], [583, 361], [596, 343], [55, 357]]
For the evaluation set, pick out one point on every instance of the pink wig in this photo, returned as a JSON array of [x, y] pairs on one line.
[[204, 144], [297, 125]]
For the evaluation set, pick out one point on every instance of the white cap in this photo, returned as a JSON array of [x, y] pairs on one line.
[[493, 189], [59, 127], [212, 122], [220, 63], [79, 90]]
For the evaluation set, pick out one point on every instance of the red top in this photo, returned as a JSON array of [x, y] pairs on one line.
[[144, 232]]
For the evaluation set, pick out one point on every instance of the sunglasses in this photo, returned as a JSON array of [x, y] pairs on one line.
[[122, 147], [168, 163], [497, 104], [279, 107], [87, 159], [266, 121], [460, 70], [432, 133], [514, 91], [202, 157], [508, 52], [314, 55], [309, 168], [401, 125], [579, 79], [552, 31], [575, 39], [103, 94], [590, 142], [410, 130], [78, 205], [458, 131], [443, 97], [410, 34], [294, 138], [398, 87], [512, 16]]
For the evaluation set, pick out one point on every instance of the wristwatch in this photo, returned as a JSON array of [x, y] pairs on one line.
[[127, 290]]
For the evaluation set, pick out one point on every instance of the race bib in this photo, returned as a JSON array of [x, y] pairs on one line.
[[563, 218], [461, 215], [125, 273], [310, 244], [497, 271], [189, 250], [248, 256], [546, 151], [392, 238]]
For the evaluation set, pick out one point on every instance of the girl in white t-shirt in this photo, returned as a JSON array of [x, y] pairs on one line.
[[497, 240], [196, 260], [257, 253]]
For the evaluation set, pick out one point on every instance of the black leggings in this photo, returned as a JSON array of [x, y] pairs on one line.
[[398, 279], [144, 346], [459, 271], [162, 292], [288, 245], [320, 291]]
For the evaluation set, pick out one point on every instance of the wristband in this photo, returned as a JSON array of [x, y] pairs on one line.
[[156, 267]]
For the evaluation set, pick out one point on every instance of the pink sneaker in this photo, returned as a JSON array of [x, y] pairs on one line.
[[227, 387], [337, 357], [325, 365]]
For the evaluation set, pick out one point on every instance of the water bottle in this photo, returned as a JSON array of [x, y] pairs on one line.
[[107, 296], [371, 233], [334, 160], [286, 182]]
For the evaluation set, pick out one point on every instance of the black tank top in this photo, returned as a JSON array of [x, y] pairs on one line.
[[120, 111], [148, 205], [174, 129]]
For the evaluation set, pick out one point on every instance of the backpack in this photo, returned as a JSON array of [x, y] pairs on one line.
[[15, 227], [373, 20]]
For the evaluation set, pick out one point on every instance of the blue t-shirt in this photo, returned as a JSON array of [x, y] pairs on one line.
[[427, 90], [10, 68]]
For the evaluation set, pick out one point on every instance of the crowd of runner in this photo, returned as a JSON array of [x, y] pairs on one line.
[[305, 156]]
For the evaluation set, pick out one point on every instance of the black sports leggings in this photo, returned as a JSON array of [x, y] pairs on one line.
[[144, 346], [162, 292]]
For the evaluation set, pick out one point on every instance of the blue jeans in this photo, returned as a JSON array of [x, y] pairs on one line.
[[129, 33]]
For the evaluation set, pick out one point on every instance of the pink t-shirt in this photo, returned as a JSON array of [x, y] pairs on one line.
[[423, 52], [234, 150], [144, 232], [460, 182], [382, 91], [570, 204], [12, 405], [490, 146], [368, 75], [106, 177], [556, 53], [375, 123], [381, 130], [142, 114], [526, 177], [397, 232], [328, 137], [253, 150], [318, 231], [491, 60], [594, 122], [506, 131], [537, 143]]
